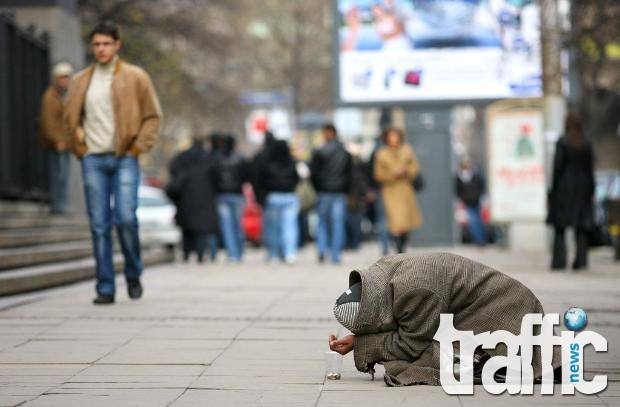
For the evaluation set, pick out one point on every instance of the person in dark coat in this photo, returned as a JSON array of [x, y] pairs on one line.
[[278, 178], [192, 191], [572, 193], [259, 161], [469, 189], [231, 171], [356, 203], [330, 171]]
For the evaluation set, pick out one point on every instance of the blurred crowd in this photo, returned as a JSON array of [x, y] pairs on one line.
[[109, 113], [218, 194], [224, 199]]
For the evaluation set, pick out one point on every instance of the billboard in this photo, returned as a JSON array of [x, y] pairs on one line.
[[430, 50], [515, 138]]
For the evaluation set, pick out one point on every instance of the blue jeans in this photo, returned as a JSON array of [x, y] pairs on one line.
[[213, 245], [332, 211], [111, 189], [354, 228], [476, 227], [230, 209], [58, 165], [281, 227]]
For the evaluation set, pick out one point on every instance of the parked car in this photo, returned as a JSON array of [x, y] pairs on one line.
[[156, 217]]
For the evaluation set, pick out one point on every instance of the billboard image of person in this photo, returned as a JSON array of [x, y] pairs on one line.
[[437, 49]]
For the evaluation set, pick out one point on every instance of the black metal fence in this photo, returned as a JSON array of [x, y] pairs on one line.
[[24, 76]]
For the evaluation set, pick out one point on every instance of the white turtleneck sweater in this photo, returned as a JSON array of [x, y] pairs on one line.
[[99, 114]]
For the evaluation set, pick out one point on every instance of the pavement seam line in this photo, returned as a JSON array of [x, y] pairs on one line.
[[252, 321], [90, 364]]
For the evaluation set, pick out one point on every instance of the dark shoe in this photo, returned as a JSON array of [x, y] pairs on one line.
[[102, 299], [577, 266], [558, 263], [134, 289], [321, 258]]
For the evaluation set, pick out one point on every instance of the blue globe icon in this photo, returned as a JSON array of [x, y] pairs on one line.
[[575, 319]]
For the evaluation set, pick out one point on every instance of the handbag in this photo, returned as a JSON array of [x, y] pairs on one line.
[[598, 236], [306, 194], [418, 183]]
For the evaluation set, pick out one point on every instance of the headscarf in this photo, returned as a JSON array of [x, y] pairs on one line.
[[347, 306]]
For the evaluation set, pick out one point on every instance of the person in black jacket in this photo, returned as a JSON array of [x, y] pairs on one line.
[[191, 190], [277, 177], [259, 160], [231, 171], [469, 189], [356, 202], [572, 193], [331, 176]]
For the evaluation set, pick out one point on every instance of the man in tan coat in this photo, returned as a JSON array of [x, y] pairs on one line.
[[54, 136], [113, 115]]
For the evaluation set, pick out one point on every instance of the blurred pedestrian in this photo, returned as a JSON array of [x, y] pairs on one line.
[[55, 137], [376, 199], [258, 162], [396, 166], [330, 170], [356, 202], [572, 193], [231, 171], [307, 201], [192, 190], [469, 188], [217, 141], [113, 115], [277, 177]]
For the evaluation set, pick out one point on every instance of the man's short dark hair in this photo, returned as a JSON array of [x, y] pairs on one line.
[[105, 27], [331, 128]]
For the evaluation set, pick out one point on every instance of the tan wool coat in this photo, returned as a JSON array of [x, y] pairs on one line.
[[402, 299], [52, 127], [401, 207], [137, 111]]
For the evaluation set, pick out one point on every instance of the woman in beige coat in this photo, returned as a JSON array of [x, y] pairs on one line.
[[396, 166]]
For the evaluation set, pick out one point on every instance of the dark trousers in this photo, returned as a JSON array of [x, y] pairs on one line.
[[197, 242], [401, 242], [354, 228], [304, 228], [58, 164], [559, 249]]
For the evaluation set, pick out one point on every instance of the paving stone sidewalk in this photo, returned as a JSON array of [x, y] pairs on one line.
[[252, 334]]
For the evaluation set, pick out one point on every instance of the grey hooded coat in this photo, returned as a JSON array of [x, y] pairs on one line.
[[403, 297]]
